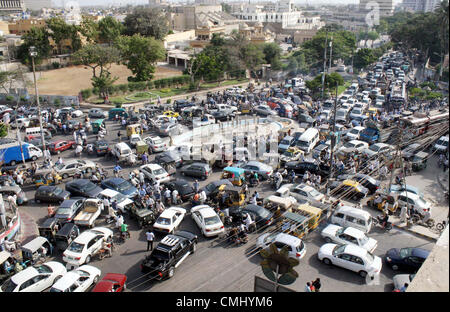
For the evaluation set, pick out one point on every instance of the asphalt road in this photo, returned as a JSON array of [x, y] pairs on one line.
[[218, 266]]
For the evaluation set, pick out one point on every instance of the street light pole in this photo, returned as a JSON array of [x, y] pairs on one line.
[[331, 53], [33, 54], [324, 64]]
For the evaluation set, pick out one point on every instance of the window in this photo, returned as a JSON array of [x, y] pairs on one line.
[[339, 215], [345, 257], [361, 222], [26, 284], [358, 260], [351, 219]]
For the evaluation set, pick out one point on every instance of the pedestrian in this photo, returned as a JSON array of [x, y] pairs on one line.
[[196, 186], [403, 289], [317, 284], [119, 135], [308, 287], [150, 238]]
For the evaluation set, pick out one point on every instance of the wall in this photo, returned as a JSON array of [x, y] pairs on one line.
[[304, 35], [20, 27]]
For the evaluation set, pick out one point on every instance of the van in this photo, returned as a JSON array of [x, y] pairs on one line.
[[121, 150], [346, 216], [308, 140], [441, 145], [35, 132]]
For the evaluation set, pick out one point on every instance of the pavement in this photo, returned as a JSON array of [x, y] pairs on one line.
[[28, 227], [442, 179]]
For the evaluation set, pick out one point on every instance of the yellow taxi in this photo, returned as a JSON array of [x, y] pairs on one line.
[[171, 114], [350, 189]]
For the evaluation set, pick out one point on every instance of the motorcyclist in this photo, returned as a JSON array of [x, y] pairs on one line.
[[385, 219], [106, 246], [278, 179]]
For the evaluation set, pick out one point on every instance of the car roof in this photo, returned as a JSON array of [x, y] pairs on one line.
[[152, 166], [409, 195], [114, 180], [67, 280], [109, 192], [354, 232], [24, 275], [419, 252], [355, 250], [288, 239], [85, 237]]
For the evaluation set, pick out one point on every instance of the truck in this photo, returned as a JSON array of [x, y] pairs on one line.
[[371, 134], [92, 208], [11, 153]]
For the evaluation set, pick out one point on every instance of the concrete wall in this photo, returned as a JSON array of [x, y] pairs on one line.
[[433, 275]]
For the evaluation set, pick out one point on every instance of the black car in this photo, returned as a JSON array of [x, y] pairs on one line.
[[259, 214], [222, 116], [169, 254], [185, 190], [300, 168], [101, 147], [68, 209], [197, 169], [83, 187], [50, 194], [169, 157], [213, 187], [409, 259], [180, 104]]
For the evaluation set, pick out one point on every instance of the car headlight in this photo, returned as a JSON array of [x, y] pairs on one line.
[[388, 259]]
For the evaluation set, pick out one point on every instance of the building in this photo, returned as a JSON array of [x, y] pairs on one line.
[[301, 36], [256, 33], [186, 17], [37, 5], [386, 7], [420, 5], [11, 6], [22, 26]]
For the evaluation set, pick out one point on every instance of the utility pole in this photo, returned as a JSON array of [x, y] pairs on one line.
[[324, 64], [333, 142], [33, 54], [331, 53]]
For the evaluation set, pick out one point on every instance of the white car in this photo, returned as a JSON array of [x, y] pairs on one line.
[[353, 134], [123, 202], [350, 257], [77, 113], [87, 244], [155, 172], [301, 192], [169, 220], [296, 247], [348, 235], [134, 139], [35, 279], [414, 201], [353, 146], [71, 166], [156, 144], [207, 220], [78, 280]]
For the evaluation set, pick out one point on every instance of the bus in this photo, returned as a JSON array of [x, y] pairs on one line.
[[420, 123]]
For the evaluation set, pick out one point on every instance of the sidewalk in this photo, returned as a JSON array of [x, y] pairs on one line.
[[28, 228], [442, 179], [414, 229]]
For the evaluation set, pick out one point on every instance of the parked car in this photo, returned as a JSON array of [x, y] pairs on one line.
[[169, 220], [50, 194], [120, 185], [414, 201], [87, 244], [264, 110], [59, 146], [170, 252], [101, 147], [72, 166], [155, 144], [185, 190], [35, 278], [264, 171], [197, 169], [207, 220], [377, 149], [296, 247], [350, 257], [169, 129], [78, 280], [408, 259], [69, 209], [97, 113], [155, 172], [348, 235], [111, 282], [83, 187]]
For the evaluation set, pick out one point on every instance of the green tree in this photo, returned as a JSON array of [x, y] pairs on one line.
[[96, 57], [3, 130], [272, 54], [363, 58], [226, 7], [60, 31], [208, 67], [147, 22], [110, 29], [37, 37], [89, 29], [140, 55], [103, 83]]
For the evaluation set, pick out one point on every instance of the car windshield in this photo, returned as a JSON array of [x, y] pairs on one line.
[[157, 141], [63, 211], [119, 197], [374, 148], [59, 166], [161, 255], [405, 252], [57, 191], [364, 240], [314, 193], [263, 213], [354, 131], [76, 247], [349, 145], [303, 143], [284, 142], [163, 221], [270, 237], [159, 171], [288, 154], [88, 187], [9, 286], [369, 258], [125, 185], [338, 249], [44, 269], [341, 113], [212, 220]]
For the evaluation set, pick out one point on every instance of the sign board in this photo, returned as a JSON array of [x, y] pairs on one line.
[[264, 285]]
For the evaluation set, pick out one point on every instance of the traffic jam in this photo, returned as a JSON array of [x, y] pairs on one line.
[[130, 199]]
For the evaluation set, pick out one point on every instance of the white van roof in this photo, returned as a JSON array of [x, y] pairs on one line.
[[309, 134], [122, 145], [352, 210]]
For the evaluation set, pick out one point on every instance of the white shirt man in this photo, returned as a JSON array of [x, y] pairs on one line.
[[167, 194], [175, 197], [203, 196], [141, 177]]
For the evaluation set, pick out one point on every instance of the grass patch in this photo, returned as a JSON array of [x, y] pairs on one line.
[[343, 87]]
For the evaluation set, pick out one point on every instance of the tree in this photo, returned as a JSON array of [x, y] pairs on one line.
[[96, 57], [272, 53], [147, 22], [3, 130], [140, 55], [363, 58], [207, 67], [37, 37], [89, 29], [103, 83], [110, 29], [61, 31], [226, 7], [7, 79]]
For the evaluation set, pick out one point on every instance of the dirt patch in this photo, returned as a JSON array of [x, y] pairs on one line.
[[70, 80]]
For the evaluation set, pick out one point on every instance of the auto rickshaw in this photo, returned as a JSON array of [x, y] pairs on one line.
[[284, 203], [49, 228], [294, 224], [312, 213], [141, 147], [144, 215], [7, 262], [66, 235], [97, 124], [39, 248], [133, 129], [46, 177], [419, 161], [234, 174], [235, 195], [379, 200]]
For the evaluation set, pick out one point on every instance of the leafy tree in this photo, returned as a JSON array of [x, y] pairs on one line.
[[147, 22], [363, 58], [89, 29], [60, 31], [3, 130], [140, 55], [226, 7], [110, 29], [207, 67], [7, 79], [96, 57], [315, 85], [103, 83], [37, 37], [272, 54]]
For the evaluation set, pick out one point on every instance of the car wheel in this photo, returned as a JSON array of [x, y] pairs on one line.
[[65, 176], [328, 240], [171, 272], [96, 279], [72, 146], [58, 152], [326, 261], [37, 200], [395, 267], [34, 158], [89, 170], [88, 259], [363, 274], [194, 248], [13, 163]]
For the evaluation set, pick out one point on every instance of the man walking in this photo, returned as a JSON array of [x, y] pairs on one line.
[[150, 238], [317, 285]]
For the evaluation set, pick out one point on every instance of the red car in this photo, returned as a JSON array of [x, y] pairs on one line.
[[111, 282], [60, 146]]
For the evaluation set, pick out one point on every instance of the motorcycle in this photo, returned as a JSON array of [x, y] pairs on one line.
[[417, 219], [379, 220]]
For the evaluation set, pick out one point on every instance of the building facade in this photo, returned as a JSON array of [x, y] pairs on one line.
[[420, 5], [11, 6], [22, 26], [386, 7]]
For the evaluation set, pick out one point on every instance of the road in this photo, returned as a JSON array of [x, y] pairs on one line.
[[217, 266]]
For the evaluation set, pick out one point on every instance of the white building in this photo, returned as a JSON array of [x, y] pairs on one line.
[[420, 5]]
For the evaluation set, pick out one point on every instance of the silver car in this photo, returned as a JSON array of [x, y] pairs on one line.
[[264, 171], [70, 167]]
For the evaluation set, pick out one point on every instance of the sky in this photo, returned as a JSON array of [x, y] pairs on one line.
[[137, 2]]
